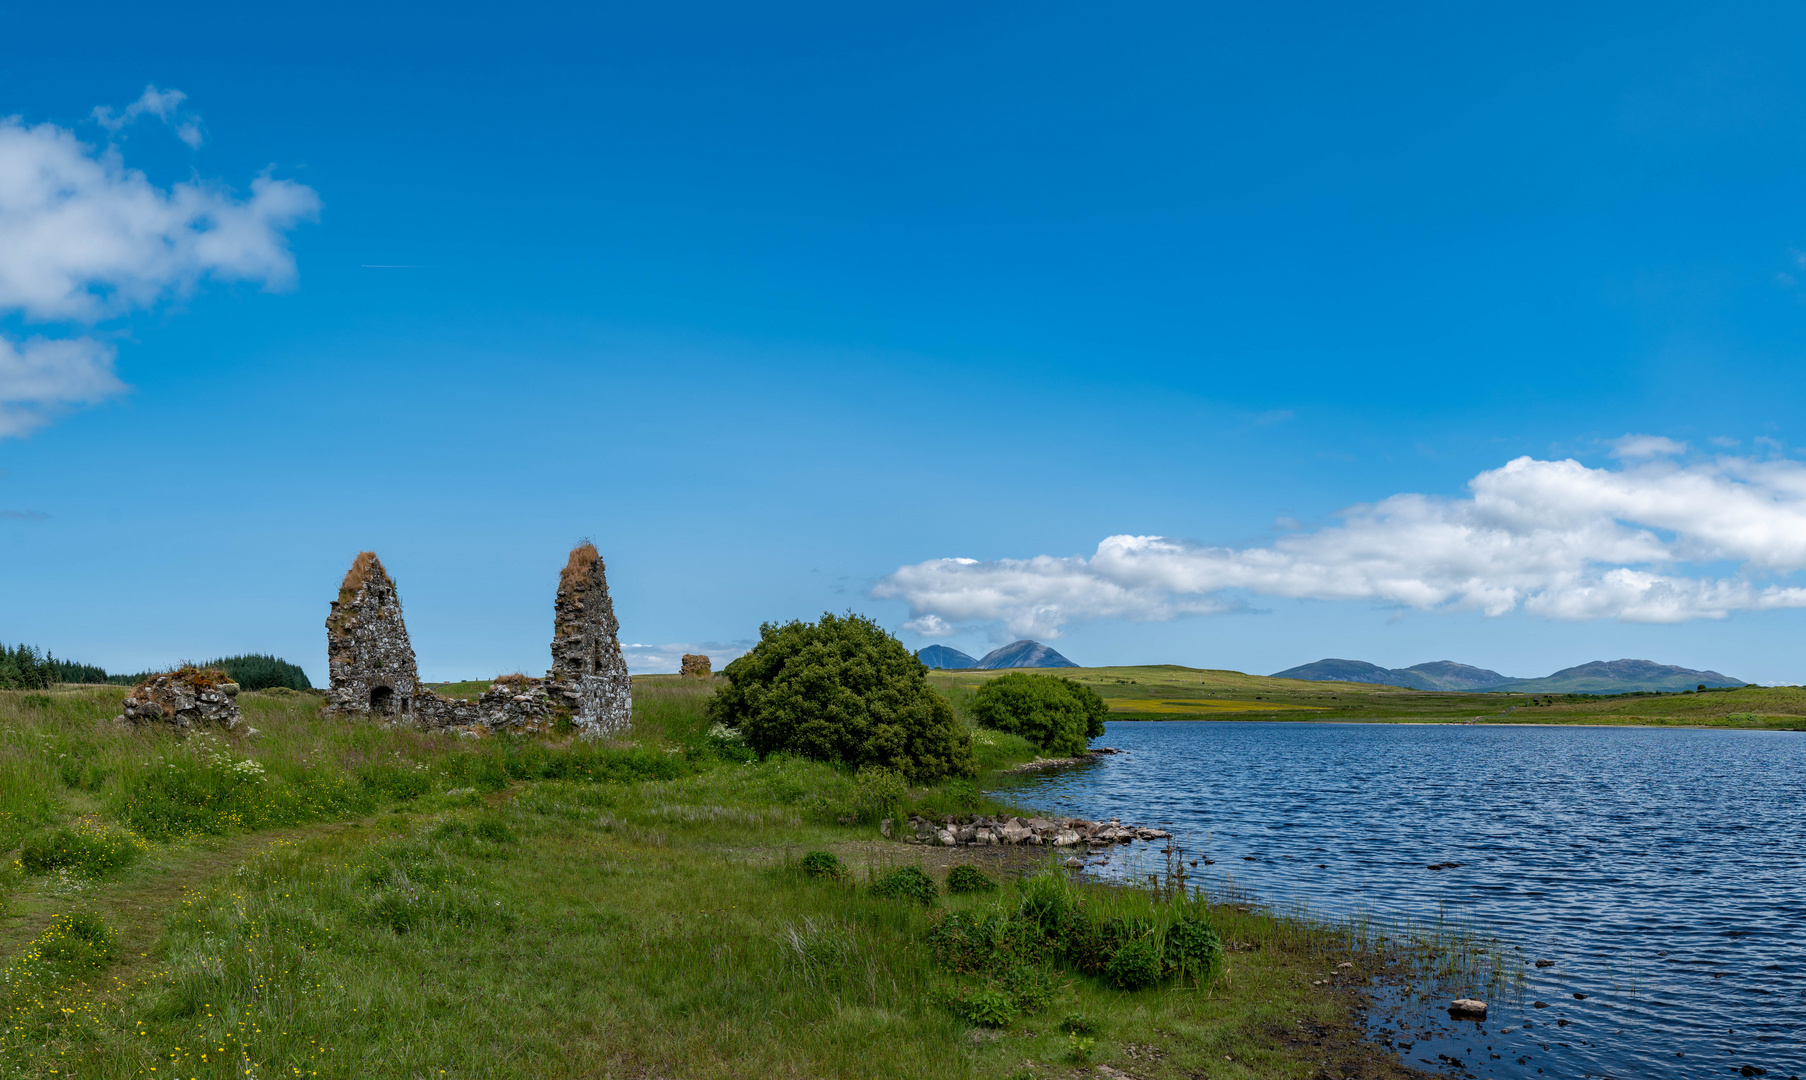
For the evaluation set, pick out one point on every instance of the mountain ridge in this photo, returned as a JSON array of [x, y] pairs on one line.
[[1594, 677]]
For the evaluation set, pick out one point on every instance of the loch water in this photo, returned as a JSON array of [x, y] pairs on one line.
[[1663, 870]]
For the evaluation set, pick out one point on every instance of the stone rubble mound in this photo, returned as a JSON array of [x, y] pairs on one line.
[[1059, 832], [186, 698]]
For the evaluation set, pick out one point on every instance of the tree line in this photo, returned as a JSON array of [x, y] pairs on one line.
[[24, 667]]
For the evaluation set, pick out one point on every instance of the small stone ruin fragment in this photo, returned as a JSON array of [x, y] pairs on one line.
[[186, 698], [696, 665]]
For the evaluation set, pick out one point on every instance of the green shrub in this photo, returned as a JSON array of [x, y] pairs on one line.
[[1078, 1048], [843, 690], [820, 864], [968, 879], [1056, 714], [1047, 899], [980, 943], [94, 850], [1192, 947], [1031, 987], [1136, 965], [986, 1006], [1078, 1024], [906, 883], [877, 793]]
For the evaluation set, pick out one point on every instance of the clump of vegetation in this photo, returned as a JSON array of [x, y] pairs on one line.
[[1127, 940], [822, 864], [877, 793], [843, 690], [907, 883], [1056, 714], [85, 847], [72, 945], [966, 878]]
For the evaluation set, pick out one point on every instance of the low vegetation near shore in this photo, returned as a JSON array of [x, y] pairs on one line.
[[339, 898], [1171, 692]]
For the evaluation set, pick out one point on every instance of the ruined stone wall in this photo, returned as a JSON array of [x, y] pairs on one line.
[[373, 669], [695, 664], [186, 698], [589, 674], [367, 649]]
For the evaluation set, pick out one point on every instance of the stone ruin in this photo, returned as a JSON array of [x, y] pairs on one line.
[[367, 649], [695, 665], [187, 698], [373, 669]]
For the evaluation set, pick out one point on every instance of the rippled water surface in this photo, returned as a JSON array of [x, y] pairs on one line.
[[1664, 871]]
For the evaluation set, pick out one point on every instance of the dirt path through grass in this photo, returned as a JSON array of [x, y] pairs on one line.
[[138, 902]]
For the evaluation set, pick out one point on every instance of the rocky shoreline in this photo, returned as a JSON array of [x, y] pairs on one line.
[[1059, 832]]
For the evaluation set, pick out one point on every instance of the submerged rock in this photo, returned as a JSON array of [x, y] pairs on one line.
[[1467, 1009]]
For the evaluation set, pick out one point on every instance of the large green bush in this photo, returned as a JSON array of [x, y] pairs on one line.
[[1058, 715], [843, 690]]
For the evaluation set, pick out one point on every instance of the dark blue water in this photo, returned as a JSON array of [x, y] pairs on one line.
[[1664, 871]]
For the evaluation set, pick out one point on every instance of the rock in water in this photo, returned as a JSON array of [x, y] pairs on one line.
[[1467, 1009], [694, 664], [187, 698]]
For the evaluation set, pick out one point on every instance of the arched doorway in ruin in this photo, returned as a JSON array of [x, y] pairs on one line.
[[382, 700]]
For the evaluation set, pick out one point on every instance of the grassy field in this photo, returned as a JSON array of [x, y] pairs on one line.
[[336, 898], [1170, 692]]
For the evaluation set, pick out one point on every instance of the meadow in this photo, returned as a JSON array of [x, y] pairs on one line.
[[338, 898], [1172, 692]]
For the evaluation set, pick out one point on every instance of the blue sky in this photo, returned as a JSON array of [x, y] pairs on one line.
[[784, 307]]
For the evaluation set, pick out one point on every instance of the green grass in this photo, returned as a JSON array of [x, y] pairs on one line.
[[1170, 692], [379, 902]]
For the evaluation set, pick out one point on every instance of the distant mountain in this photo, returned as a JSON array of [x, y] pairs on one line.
[[1619, 677], [1022, 654], [941, 656], [1356, 671], [1448, 675], [1598, 677]]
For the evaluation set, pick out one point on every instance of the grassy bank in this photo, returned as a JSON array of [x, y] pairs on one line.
[[1170, 692], [333, 898]]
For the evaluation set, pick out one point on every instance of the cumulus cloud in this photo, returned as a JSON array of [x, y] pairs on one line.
[[1648, 542], [84, 239]]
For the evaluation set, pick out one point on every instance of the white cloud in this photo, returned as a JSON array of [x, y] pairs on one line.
[[1636, 447], [161, 104], [40, 378], [84, 239], [1555, 538], [930, 626]]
